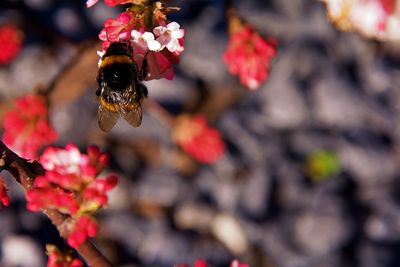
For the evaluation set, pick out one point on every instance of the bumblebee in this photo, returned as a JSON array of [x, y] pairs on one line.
[[120, 89]]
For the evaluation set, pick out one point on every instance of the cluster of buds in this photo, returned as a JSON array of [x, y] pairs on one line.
[[379, 19], [202, 263], [248, 54], [196, 138], [26, 126], [10, 43], [152, 36], [60, 259], [71, 186]]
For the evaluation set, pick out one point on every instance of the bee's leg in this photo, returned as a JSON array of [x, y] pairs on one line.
[[98, 79], [144, 70], [143, 90]]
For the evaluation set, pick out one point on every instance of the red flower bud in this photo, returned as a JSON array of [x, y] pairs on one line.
[[248, 55], [10, 43], [196, 138], [27, 128]]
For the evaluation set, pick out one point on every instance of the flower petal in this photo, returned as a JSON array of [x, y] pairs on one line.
[[90, 3], [153, 45], [173, 26], [136, 35], [173, 45], [160, 30], [123, 36], [148, 36], [178, 34]]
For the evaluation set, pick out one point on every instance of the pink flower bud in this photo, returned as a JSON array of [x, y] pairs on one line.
[[248, 55]]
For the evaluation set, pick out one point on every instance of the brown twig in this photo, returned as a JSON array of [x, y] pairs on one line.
[[158, 112], [24, 173], [234, 21], [229, 9], [76, 77]]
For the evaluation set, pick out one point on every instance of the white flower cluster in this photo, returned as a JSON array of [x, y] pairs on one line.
[[160, 38], [366, 16]]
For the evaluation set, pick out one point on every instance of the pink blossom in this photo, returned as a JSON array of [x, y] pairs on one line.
[[59, 259], [248, 55], [70, 185], [389, 5], [4, 198], [116, 30], [63, 160], [70, 168], [159, 63], [145, 41], [169, 36], [10, 43], [118, 2], [198, 263], [53, 198], [97, 191], [197, 139], [236, 263], [90, 3], [203, 263], [97, 159], [83, 228], [26, 126], [159, 60], [159, 66]]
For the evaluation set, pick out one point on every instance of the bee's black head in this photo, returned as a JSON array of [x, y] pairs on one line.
[[119, 48]]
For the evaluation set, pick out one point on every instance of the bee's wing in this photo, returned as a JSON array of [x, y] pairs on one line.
[[133, 116], [106, 118], [131, 107]]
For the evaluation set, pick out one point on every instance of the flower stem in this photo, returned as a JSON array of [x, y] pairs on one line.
[[24, 173], [229, 9], [233, 20]]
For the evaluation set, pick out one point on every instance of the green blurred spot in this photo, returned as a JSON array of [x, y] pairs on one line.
[[322, 164]]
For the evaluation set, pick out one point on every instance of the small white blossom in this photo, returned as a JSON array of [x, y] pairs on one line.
[[145, 40], [90, 3], [369, 17], [169, 36], [123, 36], [100, 54], [136, 34], [152, 44]]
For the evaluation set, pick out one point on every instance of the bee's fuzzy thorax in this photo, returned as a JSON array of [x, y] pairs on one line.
[[115, 59]]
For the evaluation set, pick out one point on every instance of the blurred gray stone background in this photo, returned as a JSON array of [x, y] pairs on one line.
[[327, 90]]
